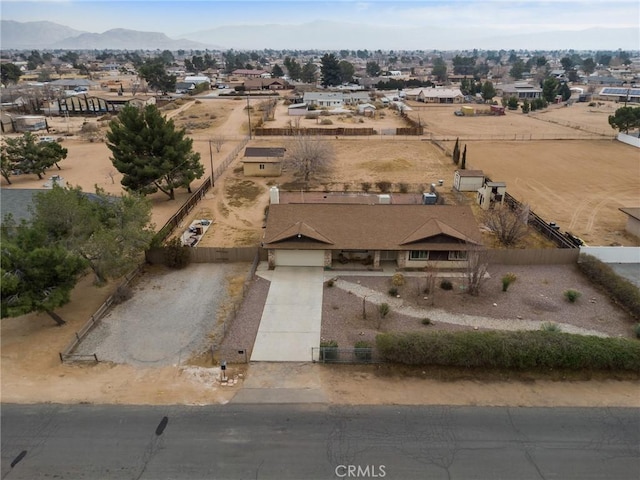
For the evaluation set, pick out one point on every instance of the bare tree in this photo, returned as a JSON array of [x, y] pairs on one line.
[[217, 142], [477, 264], [509, 226], [309, 157]]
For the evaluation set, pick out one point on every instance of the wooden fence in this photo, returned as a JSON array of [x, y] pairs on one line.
[[338, 131], [156, 255], [67, 354]]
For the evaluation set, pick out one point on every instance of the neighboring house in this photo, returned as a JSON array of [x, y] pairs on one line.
[[620, 94], [324, 99], [604, 80], [355, 98], [440, 95], [241, 72], [633, 220], [468, 180], [263, 161], [411, 236], [266, 84], [185, 87], [72, 83], [197, 80], [519, 90]]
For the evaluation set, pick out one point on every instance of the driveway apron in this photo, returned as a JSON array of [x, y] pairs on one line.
[[292, 316]]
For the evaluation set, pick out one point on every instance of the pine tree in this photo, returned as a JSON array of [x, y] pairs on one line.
[[456, 152], [150, 153], [463, 163], [330, 70]]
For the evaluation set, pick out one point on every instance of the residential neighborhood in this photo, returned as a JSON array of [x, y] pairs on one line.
[[317, 229]]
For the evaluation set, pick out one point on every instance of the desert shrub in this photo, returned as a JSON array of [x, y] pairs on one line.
[[122, 294], [403, 187], [507, 280], [361, 120], [176, 254], [572, 295], [550, 327], [383, 186], [446, 285], [89, 127], [330, 282], [398, 280], [384, 309], [326, 121], [328, 350], [636, 330], [310, 116], [393, 291], [427, 321], [325, 113], [366, 186], [621, 290], [362, 350], [516, 350]]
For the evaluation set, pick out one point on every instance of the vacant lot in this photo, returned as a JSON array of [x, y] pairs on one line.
[[578, 184]]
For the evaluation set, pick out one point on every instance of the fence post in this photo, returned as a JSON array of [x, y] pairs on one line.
[[61, 359]]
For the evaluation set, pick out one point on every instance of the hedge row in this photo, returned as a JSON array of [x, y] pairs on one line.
[[621, 290], [517, 350]]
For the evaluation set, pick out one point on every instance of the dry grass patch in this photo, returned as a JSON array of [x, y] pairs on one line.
[[242, 192], [397, 164]]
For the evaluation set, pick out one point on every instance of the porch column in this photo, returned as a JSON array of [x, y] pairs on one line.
[[376, 259]]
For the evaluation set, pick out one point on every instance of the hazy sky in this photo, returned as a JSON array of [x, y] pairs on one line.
[[180, 17]]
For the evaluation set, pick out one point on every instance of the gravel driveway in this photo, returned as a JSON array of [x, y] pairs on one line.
[[169, 317]]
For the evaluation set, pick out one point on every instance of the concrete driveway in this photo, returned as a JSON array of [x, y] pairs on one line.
[[292, 316]]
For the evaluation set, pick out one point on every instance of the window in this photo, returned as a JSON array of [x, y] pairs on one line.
[[419, 255], [261, 166], [458, 255]]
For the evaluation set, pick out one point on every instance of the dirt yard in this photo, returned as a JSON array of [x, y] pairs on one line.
[[31, 370]]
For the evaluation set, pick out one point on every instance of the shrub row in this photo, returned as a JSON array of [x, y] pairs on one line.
[[518, 350], [621, 290]]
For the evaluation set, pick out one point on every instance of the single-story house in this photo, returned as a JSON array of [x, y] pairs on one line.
[[411, 236], [354, 98], [263, 161], [300, 110], [247, 73], [620, 94], [441, 95], [197, 80], [519, 90], [185, 87], [468, 180], [633, 220], [266, 84], [324, 99]]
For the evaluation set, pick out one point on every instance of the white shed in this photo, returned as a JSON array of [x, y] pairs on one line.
[[468, 180], [633, 220]]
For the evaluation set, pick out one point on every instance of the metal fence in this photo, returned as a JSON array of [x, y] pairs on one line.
[[345, 355]]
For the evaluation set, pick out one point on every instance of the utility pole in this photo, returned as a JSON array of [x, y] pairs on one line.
[[249, 116]]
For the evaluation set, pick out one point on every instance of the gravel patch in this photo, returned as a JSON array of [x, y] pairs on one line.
[[171, 315], [535, 298]]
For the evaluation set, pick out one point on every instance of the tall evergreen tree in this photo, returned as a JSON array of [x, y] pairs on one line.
[[309, 72], [456, 152], [276, 71], [37, 275], [463, 162], [151, 153], [330, 70], [347, 70], [29, 155], [155, 74]]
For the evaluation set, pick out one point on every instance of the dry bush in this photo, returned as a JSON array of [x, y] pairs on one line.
[[509, 226]]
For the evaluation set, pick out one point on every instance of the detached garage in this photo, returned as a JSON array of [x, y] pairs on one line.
[[299, 258], [468, 180]]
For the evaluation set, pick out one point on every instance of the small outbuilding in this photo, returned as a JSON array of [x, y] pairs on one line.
[[263, 161], [468, 180], [633, 220], [366, 109], [490, 194]]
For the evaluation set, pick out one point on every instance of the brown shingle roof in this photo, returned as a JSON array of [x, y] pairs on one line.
[[375, 227]]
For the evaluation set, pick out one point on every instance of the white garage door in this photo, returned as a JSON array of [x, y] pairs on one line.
[[300, 258]]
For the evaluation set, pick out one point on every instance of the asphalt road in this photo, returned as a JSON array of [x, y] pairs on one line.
[[317, 442]]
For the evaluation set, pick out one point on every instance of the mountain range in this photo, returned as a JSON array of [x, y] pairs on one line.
[[319, 35]]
